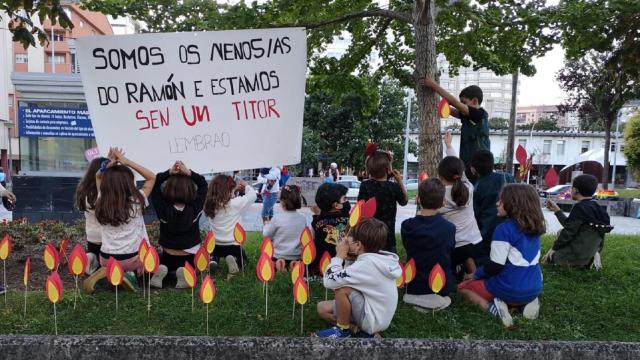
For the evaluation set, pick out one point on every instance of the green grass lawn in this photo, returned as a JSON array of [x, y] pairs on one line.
[[629, 193], [576, 305], [411, 194]]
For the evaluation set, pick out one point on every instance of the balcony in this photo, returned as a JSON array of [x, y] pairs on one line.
[[60, 47]]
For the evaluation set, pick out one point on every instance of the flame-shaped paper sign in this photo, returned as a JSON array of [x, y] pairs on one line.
[[201, 259], [409, 271], [297, 272], [325, 261], [142, 250], [77, 261], [423, 176], [115, 273], [437, 279], [190, 275], [308, 253], [267, 247], [207, 290], [63, 248], [369, 208], [521, 155], [551, 179], [239, 235], [151, 260], [27, 272], [265, 269], [301, 291], [305, 236], [443, 109], [356, 213], [210, 241], [400, 279], [53, 288], [51, 257], [5, 247]]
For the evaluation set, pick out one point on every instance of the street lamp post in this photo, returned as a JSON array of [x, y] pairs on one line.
[[531, 145], [615, 153], [406, 141]]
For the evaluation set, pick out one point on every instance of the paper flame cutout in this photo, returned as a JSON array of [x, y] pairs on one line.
[[115, 273], [301, 291], [521, 155], [201, 259], [27, 272], [190, 276], [409, 271], [5, 247], [297, 271], [308, 253], [305, 236], [142, 250], [207, 290], [151, 260], [356, 213], [53, 287], [62, 248], [325, 260], [267, 247], [239, 235], [51, 257], [443, 109], [437, 279], [210, 241], [77, 261], [423, 176], [369, 208], [265, 269], [551, 179], [400, 279]]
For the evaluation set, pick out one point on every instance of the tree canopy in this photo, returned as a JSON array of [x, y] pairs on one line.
[[632, 144], [20, 19]]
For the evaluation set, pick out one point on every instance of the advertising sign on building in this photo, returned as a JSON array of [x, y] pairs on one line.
[[34, 121]]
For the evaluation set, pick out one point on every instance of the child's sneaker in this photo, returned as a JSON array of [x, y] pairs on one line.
[[333, 333], [130, 281], [499, 309], [281, 265], [232, 264], [89, 283], [531, 310], [92, 263], [181, 283], [156, 279]]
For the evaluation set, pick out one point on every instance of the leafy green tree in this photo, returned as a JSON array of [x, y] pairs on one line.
[[544, 124], [20, 23], [498, 123], [632, 144]]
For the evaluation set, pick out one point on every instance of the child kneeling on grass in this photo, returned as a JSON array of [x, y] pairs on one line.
[[365, 291], [512, 278]]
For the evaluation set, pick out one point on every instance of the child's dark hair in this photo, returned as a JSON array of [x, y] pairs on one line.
[[451, 169], [290, 197], [522, 205], [431, 194], [118, 196], [585, 184], [471, 92], [87, 191], [219, 194], [371, 233], [482, 162], [328, 194], [179, 189], [378, 165]]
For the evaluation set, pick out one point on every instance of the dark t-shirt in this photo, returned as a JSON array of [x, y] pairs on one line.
[[388, 194], [474, 133], [328, 229]]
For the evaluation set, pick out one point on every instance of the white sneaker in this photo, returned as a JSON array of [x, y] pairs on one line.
[[532, 310], [156, 279], [232, 264], [499, 309], [92, 264], [181, 283]]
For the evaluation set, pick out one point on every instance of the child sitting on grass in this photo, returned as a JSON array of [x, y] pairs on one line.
[[429, 239], [286, 227], [582, 237], [365, 291], [329, 221], [513, 277]]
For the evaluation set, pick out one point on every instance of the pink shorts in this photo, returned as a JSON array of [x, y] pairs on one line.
[[476, 286], [130, 264]]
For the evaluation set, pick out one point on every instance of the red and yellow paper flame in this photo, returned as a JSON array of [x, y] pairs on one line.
[[53, 287], [77, 261], [443, 109], [151, 261], [437, 278], [51, 257], [297, 272], [305, 236], [265, 269], [190, 276], [301, 291], [308, 253], [267, 246], [239, 235], [201, 259], [369, 208], [325, 261], [400, 279], [5, 247], [356, 214], [115, 274], [142, 250], [409, 271], [423, 176], [210, 241], [207, 290], [27, 272]]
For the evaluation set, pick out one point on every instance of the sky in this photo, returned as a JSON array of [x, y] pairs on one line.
[[542, 88]]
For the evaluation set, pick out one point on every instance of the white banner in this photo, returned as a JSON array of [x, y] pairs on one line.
[[219, 101]]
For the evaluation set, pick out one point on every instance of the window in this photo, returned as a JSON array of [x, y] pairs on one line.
[[22, 58], [613, 146], [560, 147], [585, 147], [522, 142], [58, 59], [546, 147], [75, 68], [58, 37]]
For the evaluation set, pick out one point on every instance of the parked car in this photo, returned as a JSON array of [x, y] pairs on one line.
[[553, 192], [354, 189], [347, 178], [411, 184]]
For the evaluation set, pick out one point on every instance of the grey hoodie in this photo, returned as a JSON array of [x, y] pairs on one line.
[[372, 274]]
